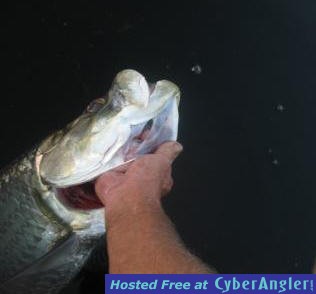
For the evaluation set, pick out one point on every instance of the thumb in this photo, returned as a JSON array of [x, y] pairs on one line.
[[170, 150], [106, 182]]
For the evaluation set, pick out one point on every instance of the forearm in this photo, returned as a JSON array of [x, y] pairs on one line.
[[142, 239]]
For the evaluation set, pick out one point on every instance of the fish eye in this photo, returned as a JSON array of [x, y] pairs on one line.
[[95, 105]]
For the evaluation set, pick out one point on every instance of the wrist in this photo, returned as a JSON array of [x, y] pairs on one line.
[[129, 205]]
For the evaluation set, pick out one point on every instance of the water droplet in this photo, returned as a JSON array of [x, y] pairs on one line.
[[197, 69], [280, 107]]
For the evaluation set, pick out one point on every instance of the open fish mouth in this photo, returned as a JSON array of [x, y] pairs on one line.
[[83, 196], [80, 196], [134, 119]]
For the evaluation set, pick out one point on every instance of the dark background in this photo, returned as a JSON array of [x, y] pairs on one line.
[[244, 194]]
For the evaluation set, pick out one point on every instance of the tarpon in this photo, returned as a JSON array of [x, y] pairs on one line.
[[50, 217]]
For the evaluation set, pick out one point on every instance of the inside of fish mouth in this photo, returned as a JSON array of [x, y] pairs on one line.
[[140, 137], [83, 196]]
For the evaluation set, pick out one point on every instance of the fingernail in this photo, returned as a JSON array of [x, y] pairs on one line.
[[178, 147]]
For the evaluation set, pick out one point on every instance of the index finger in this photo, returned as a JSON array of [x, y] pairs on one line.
[[170, 150]]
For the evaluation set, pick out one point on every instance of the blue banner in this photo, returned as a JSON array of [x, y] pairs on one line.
[[213, 283]]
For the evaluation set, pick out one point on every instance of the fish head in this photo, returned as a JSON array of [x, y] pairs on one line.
[[133, 119]]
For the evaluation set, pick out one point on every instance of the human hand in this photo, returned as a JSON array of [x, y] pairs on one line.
[[147, 178]]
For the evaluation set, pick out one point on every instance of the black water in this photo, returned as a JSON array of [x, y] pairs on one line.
[[244, 195]]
